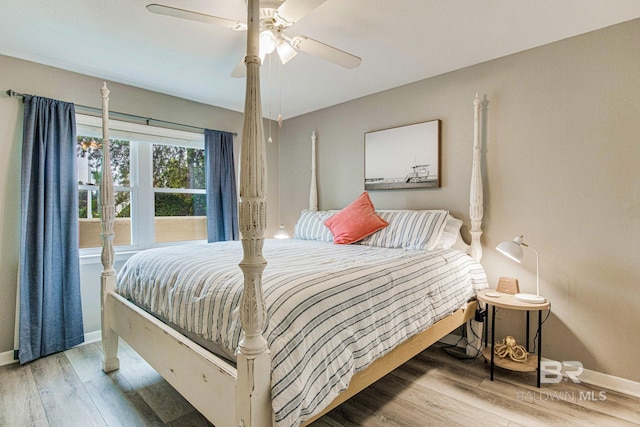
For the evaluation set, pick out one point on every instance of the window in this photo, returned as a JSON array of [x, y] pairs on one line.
[[89, 158], [179, 193], [159, 184]]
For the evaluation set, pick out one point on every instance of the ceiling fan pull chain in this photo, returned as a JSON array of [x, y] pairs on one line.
[[270, 140], [280, 94]]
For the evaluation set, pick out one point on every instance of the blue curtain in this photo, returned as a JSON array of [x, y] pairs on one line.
[[222, 199], [50, 306]]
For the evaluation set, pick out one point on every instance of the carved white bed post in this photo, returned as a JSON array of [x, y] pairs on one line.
[[313, 191], [108, 276], [474, 343], [253, 387], [476, 198]]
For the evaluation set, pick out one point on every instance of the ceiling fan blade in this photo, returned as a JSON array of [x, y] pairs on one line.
[[325, 51], [240, 71], [291, 11], [196, 16]]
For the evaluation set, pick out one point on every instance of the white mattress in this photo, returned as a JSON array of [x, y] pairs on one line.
[[332, 309]]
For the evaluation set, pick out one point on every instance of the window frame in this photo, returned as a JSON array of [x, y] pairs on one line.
[[142, 193]]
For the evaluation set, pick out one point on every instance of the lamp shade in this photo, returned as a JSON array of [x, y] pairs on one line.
[[267, 43], [285, 52], [512, 249]]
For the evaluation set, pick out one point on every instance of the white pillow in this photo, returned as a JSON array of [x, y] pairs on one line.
[[310, 226], [409, 229], [450, 233]]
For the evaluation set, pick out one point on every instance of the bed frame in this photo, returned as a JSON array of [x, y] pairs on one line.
[[204, 379]]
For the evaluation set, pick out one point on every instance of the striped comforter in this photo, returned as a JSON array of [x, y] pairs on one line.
[[332, 309]]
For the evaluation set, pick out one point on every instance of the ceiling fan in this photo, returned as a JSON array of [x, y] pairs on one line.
[[275, 16]]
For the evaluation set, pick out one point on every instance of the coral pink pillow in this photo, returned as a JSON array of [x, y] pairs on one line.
[[355, 222]]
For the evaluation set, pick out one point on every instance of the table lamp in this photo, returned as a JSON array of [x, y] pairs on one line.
[[281, 233], [513, 249]]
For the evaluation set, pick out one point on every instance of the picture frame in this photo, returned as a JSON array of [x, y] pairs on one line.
[[508, 285], [403, 157]]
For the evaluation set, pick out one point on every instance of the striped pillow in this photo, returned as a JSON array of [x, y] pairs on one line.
[[450, 233], [409, 229], [310, 226]]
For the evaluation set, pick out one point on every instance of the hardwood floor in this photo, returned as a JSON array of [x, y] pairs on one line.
[[434, 388]]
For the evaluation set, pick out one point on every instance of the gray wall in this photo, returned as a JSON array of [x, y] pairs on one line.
[[27, 77], [561, 151]]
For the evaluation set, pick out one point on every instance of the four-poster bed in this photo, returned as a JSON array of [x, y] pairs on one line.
[[239, 392]]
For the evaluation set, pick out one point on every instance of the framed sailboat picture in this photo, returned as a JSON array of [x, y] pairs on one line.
[[403, 157]]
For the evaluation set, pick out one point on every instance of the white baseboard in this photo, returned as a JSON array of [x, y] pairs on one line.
[[618, 384], [6, 358], [92, 337]]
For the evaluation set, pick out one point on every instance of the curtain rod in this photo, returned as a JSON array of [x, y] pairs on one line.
[[147, 120]]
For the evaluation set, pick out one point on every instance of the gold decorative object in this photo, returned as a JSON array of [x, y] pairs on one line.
[[509, 347]]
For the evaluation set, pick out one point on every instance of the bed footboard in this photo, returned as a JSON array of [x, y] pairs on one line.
[[205, 380]]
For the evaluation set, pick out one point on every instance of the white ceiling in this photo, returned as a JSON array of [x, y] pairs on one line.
[[399, 41]]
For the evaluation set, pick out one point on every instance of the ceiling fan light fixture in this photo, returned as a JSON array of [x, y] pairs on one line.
[[275, 16], [267, 43], [285, 51]]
